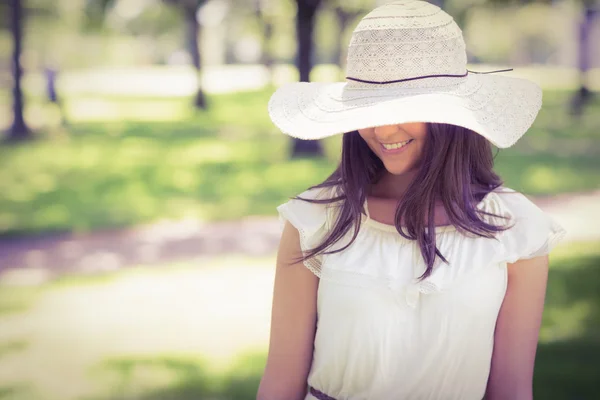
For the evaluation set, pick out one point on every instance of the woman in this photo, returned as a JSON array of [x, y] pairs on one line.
[[411, 272]]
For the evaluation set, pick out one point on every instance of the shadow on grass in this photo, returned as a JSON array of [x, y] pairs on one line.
[[242, 380], [100, 181], [576, 281], [569, 367], [181, 378], [568, 370], [16, 392]]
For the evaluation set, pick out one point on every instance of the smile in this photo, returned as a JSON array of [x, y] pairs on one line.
[[395, 147]]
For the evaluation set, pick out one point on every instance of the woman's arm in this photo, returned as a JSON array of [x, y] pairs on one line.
[[293, 322], [517, 330]]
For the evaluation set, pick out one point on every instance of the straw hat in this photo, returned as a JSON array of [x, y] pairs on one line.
[[407, 62]]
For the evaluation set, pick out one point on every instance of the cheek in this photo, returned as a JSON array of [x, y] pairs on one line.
[[418, 153], [369, 138], [420, 139], [415, 157], [417, 130]]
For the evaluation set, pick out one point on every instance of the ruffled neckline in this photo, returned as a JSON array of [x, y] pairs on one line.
[[392, 228], [489, 203], [367, 220], [437, 280]]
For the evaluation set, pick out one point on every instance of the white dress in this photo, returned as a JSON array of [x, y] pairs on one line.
[[381, 335]]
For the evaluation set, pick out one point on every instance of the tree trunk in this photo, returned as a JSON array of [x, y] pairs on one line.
[[338, 52], [583, 95], [18, 130], [267, 30], [267, 57], [192, 37], [343, 18], [305, 23]]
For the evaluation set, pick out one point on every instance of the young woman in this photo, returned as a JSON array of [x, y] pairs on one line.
[[411, 272]]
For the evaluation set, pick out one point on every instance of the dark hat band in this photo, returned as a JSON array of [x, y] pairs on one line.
[[427, 76]]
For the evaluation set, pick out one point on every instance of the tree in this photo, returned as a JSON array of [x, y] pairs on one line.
[[305, 24], [345, 12], [189, 11], [265, 19], [591, 8], [583, 95], [96, 11], [18, 129]]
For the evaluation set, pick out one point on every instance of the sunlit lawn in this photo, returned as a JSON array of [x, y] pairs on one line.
[[224, 164], [184, 332], [181, 331], [137, 160]]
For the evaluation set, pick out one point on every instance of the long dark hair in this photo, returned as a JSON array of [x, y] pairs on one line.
[[456, 168]]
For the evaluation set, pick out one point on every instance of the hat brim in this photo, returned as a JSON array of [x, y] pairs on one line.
[[500, 108]]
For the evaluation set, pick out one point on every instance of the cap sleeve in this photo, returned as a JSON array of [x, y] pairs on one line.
[[310, 219], [534, 232]]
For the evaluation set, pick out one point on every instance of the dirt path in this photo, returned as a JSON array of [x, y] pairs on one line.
[[156, 244], [168, 242]]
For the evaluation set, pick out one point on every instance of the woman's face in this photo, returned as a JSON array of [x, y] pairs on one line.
[[400, 147]]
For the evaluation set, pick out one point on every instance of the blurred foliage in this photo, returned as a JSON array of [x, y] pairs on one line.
[[565, 367], [31, 7], [106, 175], [131, 18], [169, 162], [225, 164], [82, 33]]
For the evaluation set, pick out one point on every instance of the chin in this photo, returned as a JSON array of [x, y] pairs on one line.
[[397, 170]]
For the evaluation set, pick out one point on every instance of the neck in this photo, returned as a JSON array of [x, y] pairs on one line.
[[393, 186]]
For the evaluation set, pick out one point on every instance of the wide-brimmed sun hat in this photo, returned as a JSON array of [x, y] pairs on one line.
[[407, 62]]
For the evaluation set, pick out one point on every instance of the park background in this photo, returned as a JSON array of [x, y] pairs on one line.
[[139, 175]]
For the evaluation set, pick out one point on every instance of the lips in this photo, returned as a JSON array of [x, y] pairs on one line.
[[396, 150]]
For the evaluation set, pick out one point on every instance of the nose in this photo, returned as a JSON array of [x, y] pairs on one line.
[[386, 130], [388, 133]]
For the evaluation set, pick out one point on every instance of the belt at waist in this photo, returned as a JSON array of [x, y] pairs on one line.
[[318, 394]]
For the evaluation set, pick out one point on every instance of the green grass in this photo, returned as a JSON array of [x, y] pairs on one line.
[[224, 164], [16, 299], [569, 349], [149, 334], [138, 333], [558, 154], [156, 158], [190, 378], [161, 377]]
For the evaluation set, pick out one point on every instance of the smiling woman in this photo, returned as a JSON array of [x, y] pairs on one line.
[[411, 272], [389, 141]]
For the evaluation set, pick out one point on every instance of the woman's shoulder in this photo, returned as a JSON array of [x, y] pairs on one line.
[[517, 204], [319, 192], [305, 211], [532, 231]]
